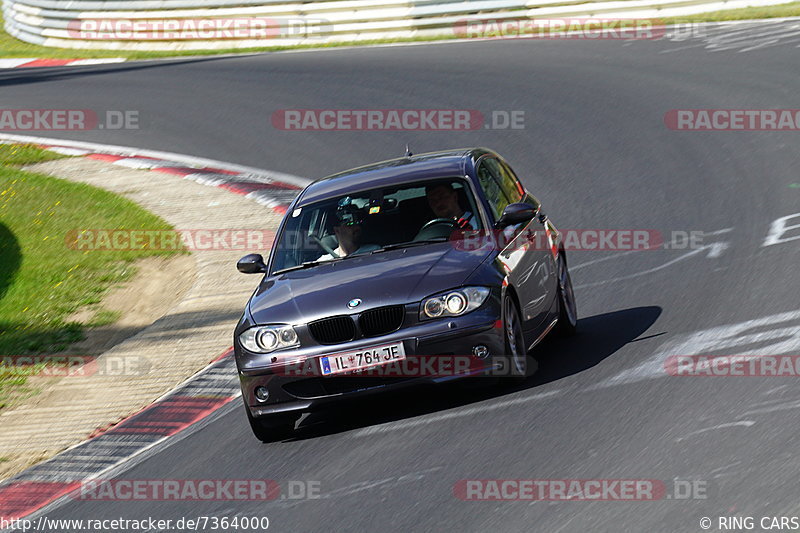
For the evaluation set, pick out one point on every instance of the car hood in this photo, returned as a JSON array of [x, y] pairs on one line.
[[385, 278]]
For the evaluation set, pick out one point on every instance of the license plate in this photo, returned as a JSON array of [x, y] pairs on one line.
[[361, 359]]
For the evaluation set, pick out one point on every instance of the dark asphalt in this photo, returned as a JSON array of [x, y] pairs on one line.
[[596, 151]]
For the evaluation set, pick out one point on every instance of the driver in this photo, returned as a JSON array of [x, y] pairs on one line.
[[443, 201], [348, 231]]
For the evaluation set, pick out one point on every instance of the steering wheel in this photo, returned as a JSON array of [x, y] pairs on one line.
[[439, 221], [325, 247]]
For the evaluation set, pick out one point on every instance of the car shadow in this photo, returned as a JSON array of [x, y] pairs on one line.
[[11, 258], [599, 337]]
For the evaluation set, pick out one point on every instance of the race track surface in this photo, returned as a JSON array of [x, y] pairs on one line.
[[596, 151]]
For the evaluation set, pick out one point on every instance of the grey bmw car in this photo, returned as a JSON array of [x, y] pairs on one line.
[[422, 269]]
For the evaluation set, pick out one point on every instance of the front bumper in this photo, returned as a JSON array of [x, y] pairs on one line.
[[436, 351]]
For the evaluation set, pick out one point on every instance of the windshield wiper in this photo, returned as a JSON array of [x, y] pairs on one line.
[[409, 244], [307, 264], [395, 246]]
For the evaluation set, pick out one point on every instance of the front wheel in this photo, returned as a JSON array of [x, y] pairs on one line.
[[567, 309], [271, 428], [519, 364]]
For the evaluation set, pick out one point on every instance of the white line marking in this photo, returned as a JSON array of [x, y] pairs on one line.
[[361, 486], [142, 164], [720, 472], [573, 268], [11, 63], [742, 423], [779, 407], [744, 339], [730, 38], [718, 231], [714, 249], [614, 256], [98, 61], [69, 151], [717, 248]]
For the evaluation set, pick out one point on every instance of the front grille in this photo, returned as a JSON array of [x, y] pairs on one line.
[[333, 330], [381, 321]]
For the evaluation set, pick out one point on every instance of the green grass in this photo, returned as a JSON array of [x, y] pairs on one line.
[[765, 12], [25, 154], [104, 317], [11, 47], [42, 280]]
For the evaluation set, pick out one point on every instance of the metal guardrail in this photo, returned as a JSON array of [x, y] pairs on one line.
[[62, 23]]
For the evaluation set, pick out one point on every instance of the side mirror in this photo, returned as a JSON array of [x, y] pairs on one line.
[[251, 264], [516, 214]]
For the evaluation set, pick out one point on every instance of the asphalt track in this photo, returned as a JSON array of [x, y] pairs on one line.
[[596, 151]]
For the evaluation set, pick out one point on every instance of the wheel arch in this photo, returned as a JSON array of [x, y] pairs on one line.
[[511, 291]]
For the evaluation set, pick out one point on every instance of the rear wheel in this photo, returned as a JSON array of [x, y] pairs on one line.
[[272, 428], [567, 309]]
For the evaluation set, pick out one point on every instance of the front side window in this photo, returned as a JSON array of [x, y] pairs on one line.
[[497, 198], [508, 180]]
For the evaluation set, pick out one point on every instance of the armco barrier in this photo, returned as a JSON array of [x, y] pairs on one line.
[[57, 22]]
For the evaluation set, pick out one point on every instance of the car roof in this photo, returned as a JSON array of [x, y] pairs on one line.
[[432, 165]]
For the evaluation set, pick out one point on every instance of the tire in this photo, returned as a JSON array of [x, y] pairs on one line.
[[514, 365], [567, 325], [271, 428], [520, 365]]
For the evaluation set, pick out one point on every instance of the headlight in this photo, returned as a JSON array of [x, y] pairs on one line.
[[453, 303], [433, 307], [266, 339]]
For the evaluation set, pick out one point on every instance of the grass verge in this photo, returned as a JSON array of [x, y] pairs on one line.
[[745, 13], [42, 280], [11, 47]]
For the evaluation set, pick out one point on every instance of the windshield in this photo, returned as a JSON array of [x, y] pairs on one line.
[[375, 220]]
